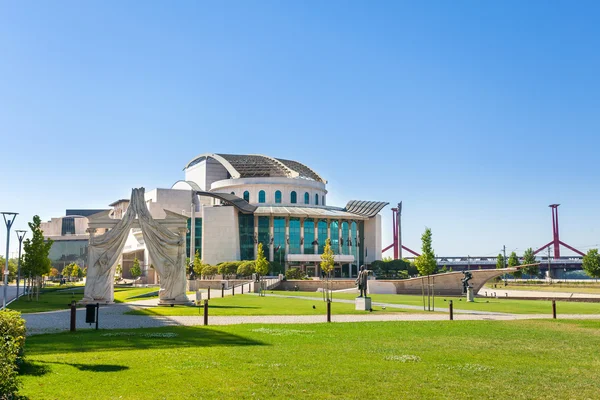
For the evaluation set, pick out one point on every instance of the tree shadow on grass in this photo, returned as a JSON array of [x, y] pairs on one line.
[[35, 369], [213, 306], [135, 339]]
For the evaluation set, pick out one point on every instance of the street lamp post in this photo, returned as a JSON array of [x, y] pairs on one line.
[[9, 218], [20, 235]]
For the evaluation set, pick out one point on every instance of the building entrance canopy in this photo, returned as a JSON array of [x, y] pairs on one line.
[[312, 258]]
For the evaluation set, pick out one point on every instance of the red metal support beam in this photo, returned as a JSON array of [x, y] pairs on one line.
[[556, 242]]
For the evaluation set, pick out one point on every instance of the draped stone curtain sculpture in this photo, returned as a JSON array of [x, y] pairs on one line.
[[167, 251], [103, 253]]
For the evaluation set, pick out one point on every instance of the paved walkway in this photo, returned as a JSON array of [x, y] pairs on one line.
[[535, 294]]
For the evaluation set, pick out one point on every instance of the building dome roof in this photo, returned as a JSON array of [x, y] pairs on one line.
[[258, 166]]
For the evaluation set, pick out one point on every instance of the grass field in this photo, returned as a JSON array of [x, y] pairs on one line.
[[480, 304], [59, 297], [408, 360], [254, 305]]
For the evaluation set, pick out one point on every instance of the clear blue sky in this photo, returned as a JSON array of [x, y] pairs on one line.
[[476, 114]]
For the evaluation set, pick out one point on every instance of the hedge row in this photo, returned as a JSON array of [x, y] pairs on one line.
[[12, 342]]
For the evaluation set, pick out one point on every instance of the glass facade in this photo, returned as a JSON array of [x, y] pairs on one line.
[[247, 196], [345, 237], [261, 196], [278, 196], [354, 248], [64, 252], [293, 198], [309, 236], [322, 235], [316, 199], [246, 225], [335, 238], [279, 236], [263, 234], [197, 237], [306, 198], [294, 235]]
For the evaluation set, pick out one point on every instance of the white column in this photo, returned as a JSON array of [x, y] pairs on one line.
[[271, 239]]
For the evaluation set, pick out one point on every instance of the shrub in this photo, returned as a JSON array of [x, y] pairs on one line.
[[228, 268], [246, 268], [12, 342], [294, 273], [209, 271]]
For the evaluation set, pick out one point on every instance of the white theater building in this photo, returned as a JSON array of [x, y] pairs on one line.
[[238, 201]]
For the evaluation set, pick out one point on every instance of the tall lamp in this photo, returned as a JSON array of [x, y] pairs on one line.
[[20, 235], [9, 218]]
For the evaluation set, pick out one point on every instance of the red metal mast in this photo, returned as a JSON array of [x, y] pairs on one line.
[[395, 234], [556, 242]]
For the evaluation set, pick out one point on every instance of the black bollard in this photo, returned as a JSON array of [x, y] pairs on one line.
[[73, 315], [233, 290], [222, 290], [97, 313], [328, 310], [209, 292], [205, 312], [242, 288], [451, 310], [554, 309]]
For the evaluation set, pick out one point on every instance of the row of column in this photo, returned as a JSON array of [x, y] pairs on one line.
[[287, 234]]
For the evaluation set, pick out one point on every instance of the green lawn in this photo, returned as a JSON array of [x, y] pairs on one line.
[[390, 360], [59, 297], [480, 304], [254, 305]]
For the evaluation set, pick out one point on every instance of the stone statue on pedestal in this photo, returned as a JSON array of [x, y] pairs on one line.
[[465, 280], [361, 280]]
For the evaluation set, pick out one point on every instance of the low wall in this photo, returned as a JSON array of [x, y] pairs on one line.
[[314, 285], [213, 283]]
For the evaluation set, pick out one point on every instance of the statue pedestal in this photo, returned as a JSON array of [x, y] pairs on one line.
[[470, 296], [362, 303]]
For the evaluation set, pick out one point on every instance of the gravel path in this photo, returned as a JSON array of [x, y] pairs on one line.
[[113, 317], [536, 294]]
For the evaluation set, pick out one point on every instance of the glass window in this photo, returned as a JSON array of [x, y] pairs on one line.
[[279, 239], [278, 196], [306, 198], [263, 234], [335, 237], [246, 225], [309, 236], [261, 196], [247, 196], [233, 193], [323, 200], [345, 237], [316, 199], [197, 237], [294, 235], [322, 235], [293, 198]]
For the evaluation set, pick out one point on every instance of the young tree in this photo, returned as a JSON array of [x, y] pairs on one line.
[[12, 267], [135, 270], [198, 264], [327, 266], [35, 261], [54, 272], [591, 263], [76, 271], [246, 268], [118, 272], [426, 263], [500, 261], [513, 261], [529, 258], [261, 266]]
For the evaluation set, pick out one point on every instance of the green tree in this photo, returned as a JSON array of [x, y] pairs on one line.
[[135, 269], [67, 270], [529, 258], [198, 264], [294, 273], [12, 267], [426, 263], [76, 272], [591, 263], [246, 268], [513, 261], [209, 271], [35, 261], [118, 272], [261, 266], [327, 266], [500, 261], [54, 272]]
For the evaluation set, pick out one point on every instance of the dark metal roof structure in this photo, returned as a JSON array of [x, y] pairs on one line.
[[256, 165], [82, 213], [366, 208], [239, 203]]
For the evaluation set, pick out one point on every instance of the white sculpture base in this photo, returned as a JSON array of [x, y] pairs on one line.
[[362, 303], [470, 296], [85, 301], [174, 302]]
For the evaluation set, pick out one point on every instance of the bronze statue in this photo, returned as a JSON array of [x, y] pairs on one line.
[[465, 280], [361, 280]]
